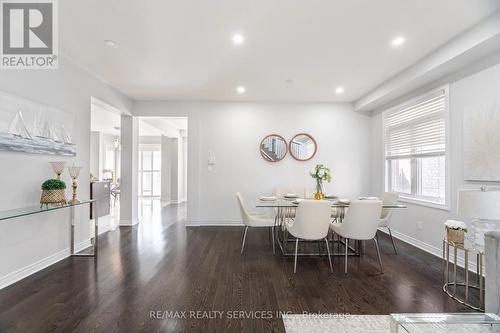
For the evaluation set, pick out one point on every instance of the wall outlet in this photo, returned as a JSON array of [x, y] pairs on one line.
[[420, 225]]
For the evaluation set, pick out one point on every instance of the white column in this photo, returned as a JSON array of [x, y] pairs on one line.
[[129, 171], [174, 170], [165, 171]]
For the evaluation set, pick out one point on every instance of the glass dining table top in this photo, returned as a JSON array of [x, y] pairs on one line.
[[284, 203]]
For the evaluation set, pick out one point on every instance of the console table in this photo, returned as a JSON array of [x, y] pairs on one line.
[[25, 211]]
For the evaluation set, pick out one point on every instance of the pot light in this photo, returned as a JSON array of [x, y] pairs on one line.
[[398, 41], [240, 90], [339, 90], [111, 43], [238, 39]]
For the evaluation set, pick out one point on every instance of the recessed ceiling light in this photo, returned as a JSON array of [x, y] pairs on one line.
[[238, 39], [111, 43], [240, 90], [339, 90], [398, 41]]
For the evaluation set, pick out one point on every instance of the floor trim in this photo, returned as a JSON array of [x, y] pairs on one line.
[[26, 271], [427, 248], [214, 223]]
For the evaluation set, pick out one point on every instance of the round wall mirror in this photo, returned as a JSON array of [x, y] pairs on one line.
[[273, 148], [303, 147]]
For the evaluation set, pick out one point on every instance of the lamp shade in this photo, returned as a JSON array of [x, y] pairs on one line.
[[479, 204]]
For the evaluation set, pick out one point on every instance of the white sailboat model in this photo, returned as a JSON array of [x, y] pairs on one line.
[[47, 132], [65, 137], [18, 127]]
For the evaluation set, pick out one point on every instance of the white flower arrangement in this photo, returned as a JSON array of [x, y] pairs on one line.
[[321, 173], [455, 225]]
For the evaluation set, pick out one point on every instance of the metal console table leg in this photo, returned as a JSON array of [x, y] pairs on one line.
[[93, 240]]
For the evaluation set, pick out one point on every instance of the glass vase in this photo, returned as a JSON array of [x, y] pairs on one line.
[[320, 192]]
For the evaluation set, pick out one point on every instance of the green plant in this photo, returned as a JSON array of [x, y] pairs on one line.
[[53, 184]]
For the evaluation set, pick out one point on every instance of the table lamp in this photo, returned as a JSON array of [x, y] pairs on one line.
[[483, 206]]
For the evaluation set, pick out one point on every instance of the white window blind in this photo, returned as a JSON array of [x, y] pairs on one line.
[[417, 129]]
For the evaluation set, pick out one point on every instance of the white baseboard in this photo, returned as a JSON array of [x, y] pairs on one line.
[[428, 248], [128, 223], [214, 223], [26, 271]]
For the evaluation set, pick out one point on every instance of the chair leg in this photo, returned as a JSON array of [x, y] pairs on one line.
[[319, 247], [285, 240], [296, 248], [378, 255], [272, 235], [329, 257], [392, 240], [244, 237], [346, 249]]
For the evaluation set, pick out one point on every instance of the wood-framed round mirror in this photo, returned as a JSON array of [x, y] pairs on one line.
[[303, 147], [273, 148]]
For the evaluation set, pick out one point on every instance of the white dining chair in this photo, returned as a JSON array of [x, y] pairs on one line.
[[360, 223], [281, 191], [255, 220], [388, 198], [312, 221]]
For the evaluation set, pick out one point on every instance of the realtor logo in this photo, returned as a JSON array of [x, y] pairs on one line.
[[29, 34]]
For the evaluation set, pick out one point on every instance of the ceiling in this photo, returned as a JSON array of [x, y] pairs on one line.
[[182, 50]]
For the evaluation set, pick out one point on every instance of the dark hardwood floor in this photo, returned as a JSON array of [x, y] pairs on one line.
[[163, 266]]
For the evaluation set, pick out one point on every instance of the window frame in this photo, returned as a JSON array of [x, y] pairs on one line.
[[412, 198]]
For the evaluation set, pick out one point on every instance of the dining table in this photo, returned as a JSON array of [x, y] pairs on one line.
[[284, 209]]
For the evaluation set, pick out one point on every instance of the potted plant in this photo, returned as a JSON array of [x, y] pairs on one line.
[[321, 174], [455, 231], [53, 192]]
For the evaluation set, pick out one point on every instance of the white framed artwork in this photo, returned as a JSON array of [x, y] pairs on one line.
[[481, 143], [31, 127]]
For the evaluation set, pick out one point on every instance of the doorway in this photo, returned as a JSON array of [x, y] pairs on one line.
[[105, 162], [162, 163]]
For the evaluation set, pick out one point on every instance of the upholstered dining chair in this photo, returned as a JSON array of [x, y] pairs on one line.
[[389, 198], [312, 221], [360, 223], [254, 220]]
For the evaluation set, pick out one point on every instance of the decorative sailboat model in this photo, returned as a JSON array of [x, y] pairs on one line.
[[18, 127]]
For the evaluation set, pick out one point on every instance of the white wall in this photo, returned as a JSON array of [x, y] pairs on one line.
[[469, 92], [233, 131], [31, 243]]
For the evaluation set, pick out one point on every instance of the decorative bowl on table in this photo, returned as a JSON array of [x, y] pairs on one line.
[[290, 196]]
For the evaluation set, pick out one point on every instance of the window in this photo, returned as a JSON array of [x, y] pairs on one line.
[[415, 148], [149, 170]]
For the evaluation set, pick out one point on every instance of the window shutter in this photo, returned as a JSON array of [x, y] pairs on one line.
[[417, 129]]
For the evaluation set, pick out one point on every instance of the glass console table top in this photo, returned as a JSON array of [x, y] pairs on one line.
[[24, 211], [445, 322]]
